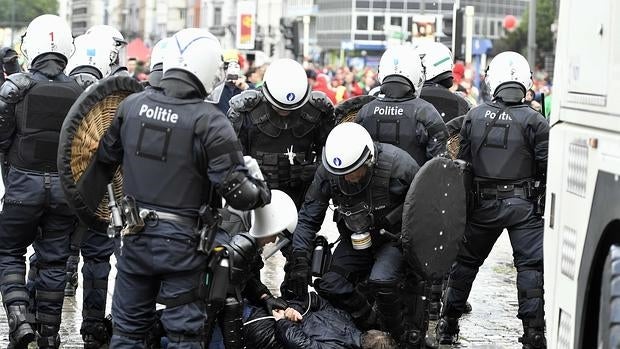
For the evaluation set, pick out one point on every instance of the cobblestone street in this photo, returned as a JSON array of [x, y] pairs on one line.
[[492, 324]]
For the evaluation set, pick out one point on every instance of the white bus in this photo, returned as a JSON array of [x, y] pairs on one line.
[[582, 219]]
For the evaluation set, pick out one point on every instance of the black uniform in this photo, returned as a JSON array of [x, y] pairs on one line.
[[32, 109], [175, 149], [507, 146], [286, 147], [401, 119], [369, 201], [449, 104]]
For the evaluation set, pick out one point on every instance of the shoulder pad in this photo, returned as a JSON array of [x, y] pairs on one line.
[[246, 100], [16, 86], [320, 101]]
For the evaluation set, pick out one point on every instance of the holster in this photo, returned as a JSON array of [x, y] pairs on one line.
[[133, 222], [210, 220]]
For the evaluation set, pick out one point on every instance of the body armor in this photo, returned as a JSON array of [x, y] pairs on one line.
[[448, 104], [39, 117]]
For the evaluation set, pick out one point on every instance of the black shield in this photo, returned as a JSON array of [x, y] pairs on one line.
[[434, 217], [87, 121], [346, 111]]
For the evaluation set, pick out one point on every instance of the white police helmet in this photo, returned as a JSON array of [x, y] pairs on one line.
[[47, 33], [436, 58], [158, 52], [508, 67], [197, 52], [118, 40], [402, 61], [348, 147], [91, 50], [285, 84], [272, 219]]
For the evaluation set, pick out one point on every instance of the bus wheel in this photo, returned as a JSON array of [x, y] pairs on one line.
[[609, 314]]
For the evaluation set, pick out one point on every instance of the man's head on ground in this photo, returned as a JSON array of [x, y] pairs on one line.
[[374, 339]]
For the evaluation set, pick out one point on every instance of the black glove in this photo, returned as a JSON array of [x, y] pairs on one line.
[[300, 276], [272, 303], [307, 172]]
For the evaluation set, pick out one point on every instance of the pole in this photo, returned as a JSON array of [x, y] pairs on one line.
[[469, 32], [457, 5], [531, 35], [306, 48], [13, 23]]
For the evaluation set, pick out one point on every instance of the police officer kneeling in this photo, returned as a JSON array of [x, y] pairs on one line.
[[506, 142], [174, 149], [366, 181]]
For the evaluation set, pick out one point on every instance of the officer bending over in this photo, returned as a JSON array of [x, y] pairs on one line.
[[506, 142]]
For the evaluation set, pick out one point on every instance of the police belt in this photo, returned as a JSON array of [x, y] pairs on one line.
[[496, 191], [153, 215]]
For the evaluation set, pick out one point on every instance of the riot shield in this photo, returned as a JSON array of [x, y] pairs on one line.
[[434, 217], [87, 121]]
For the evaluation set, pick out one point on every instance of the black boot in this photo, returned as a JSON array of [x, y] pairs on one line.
[[95, 333], [354, 303], [48, 336], [533, 335], [20, 331], [434, 304], [447, 330], [390, 312]]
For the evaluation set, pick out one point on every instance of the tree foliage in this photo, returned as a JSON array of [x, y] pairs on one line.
[[517, 40], [25, 10]]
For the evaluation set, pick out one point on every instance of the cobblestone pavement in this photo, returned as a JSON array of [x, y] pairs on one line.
[[492, 324]]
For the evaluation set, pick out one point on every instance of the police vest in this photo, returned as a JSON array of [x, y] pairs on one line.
[[39, 117], [375, 195], [504, 153], [395, 122], [161, 152], [446, 102], [282, 144]]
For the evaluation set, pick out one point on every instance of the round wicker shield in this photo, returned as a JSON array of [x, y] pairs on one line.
[[87, 121], [453, 145], [346, 111]]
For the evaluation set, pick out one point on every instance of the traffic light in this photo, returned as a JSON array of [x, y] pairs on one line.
[[290, 33], [455, 23]]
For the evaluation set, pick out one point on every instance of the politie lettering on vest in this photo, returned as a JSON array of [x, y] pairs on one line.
[[388, 110], [502, 116], [158, 113]]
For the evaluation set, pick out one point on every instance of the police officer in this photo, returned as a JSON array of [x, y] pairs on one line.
[[118, 42], [367, 182], [32, 108], [90, 63], [9, 63], [175, 149], [157, 63], [438, 63], [283, 126], [399, 117], [506, 142], [236, 269]]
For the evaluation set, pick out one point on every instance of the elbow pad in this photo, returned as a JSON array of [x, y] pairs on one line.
[[245, 193]]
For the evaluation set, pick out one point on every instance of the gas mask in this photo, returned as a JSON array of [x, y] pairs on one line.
[[360, 220]]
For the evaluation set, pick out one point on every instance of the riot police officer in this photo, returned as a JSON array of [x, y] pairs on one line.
[[399, 117], [437, 60], [506, 142], [367, 182], [90, 63], [236, 269], [118, 42], [175, 149], [9, 63], [32, 108], [283, 126], [157, 63]]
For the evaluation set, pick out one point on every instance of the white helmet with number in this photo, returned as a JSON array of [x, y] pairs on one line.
[[158, 52], [197, 52], [436, 58], [508, 67], [47, 33], [403, 61], [285, 84], [118, 40], [91, 50], [272, 219], [347, 148]]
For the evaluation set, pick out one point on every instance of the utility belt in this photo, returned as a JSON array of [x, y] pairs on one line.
[[489, 190], [286, 170]]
